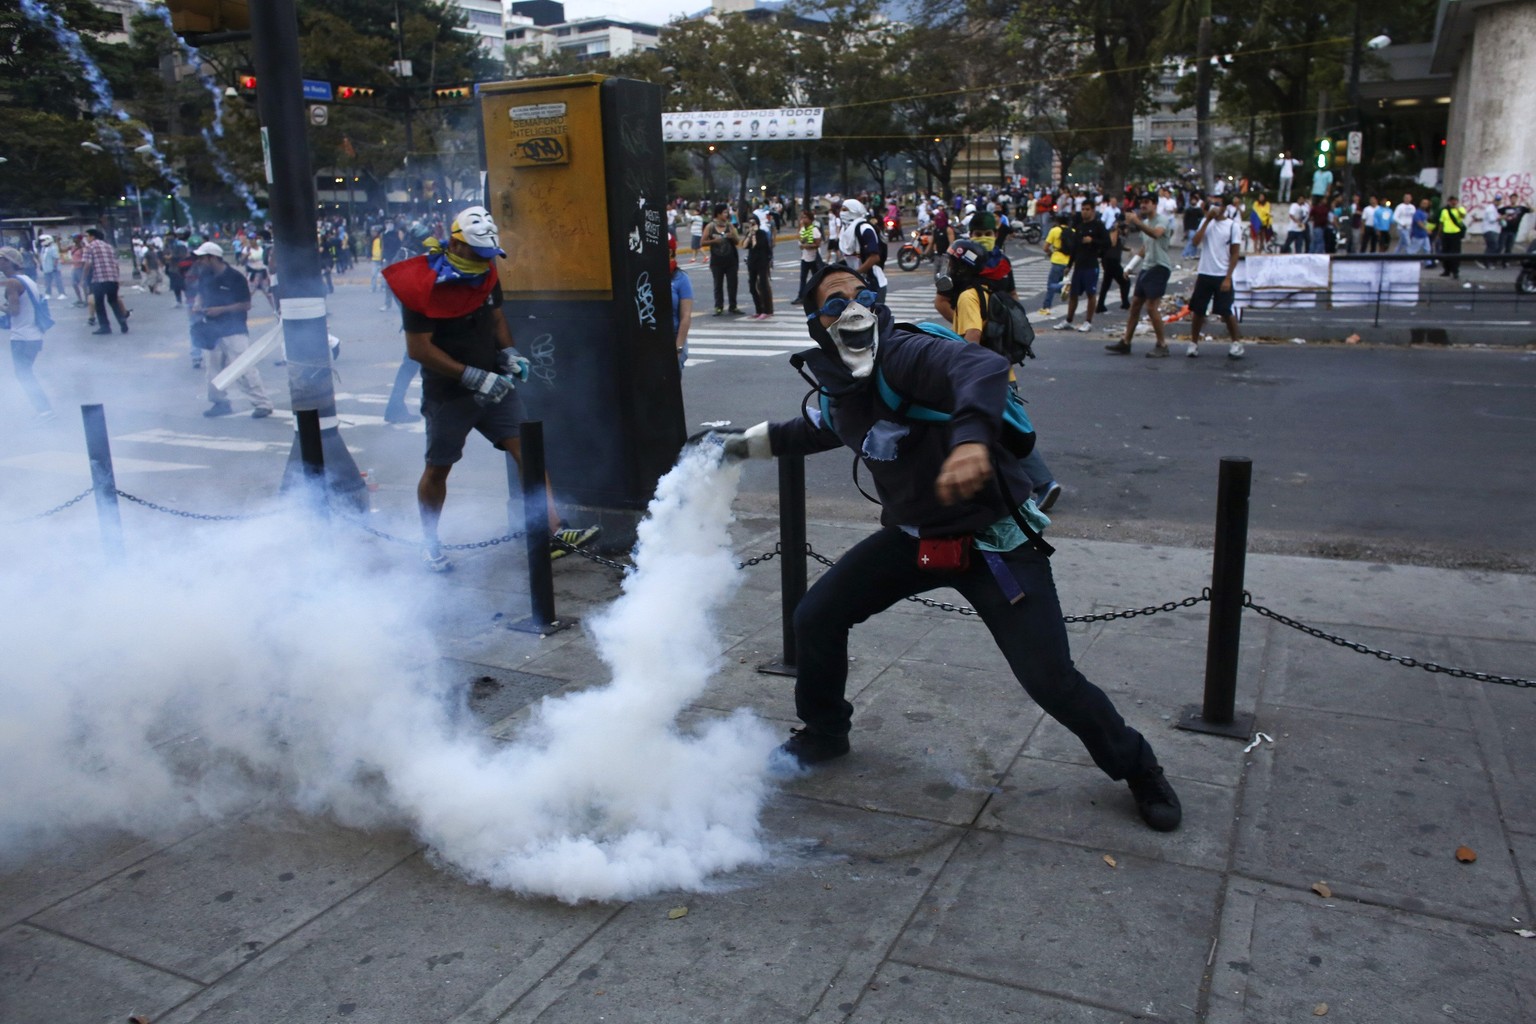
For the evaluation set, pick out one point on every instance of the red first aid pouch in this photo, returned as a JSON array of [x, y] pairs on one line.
[[944, 554]]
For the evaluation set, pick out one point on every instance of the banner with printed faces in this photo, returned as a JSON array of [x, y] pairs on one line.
[[774, 125]]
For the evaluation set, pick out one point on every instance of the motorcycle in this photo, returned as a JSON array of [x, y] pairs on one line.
[[914, 252], [1525, 281], [1030, 231], [892, 229]]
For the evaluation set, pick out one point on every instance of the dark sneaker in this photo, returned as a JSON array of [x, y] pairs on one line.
[[808, 748], [1156, 801], [1048, 496], [219, 409], [261, 413], [1119, 348], [569, 539]]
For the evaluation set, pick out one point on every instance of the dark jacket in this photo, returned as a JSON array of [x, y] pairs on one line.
[[904, 456]]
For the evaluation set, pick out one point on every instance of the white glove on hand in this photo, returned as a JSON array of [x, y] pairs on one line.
[[489, 388], [510, 362], [751, 443]]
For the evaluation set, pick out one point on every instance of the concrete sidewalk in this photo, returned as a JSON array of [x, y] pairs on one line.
[[965, 863]]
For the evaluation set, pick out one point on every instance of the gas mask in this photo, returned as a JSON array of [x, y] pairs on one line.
[[477, 230]]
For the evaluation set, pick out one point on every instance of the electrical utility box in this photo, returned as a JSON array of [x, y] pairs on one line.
[[576, 180]]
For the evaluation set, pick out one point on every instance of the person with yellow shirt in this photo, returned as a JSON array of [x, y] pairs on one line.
[[1057, 247], [973, 274], [1452, 228]]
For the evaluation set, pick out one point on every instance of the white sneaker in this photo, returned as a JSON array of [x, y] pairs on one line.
[[1062, 325], [1235, 351], [435, 561], [1084, 327], [1194, 350]]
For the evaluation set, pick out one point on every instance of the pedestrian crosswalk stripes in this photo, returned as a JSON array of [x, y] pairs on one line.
[[715, 337]]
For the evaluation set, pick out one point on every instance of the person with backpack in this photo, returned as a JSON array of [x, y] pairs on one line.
[[722, 239], [975, 292], [950, 517], [1453, 228], [27, 316], [861, 242]]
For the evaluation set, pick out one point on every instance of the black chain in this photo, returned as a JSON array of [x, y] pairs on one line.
[[591, 556], [200, 516], [416, 541], [77, 499], [1359, 648]]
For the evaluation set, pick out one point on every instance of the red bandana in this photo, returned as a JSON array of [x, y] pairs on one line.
[[415, 285]]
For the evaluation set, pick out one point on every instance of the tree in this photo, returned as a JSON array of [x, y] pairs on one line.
[[51, 108]]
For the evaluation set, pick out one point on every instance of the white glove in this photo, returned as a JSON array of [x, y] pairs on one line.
[[510, 362], [489, 388], [752, 443]]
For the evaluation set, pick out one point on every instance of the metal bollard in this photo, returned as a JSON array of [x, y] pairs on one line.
[[792, 556], [1228, 562], [541, 574], [103, 480], [312, 457]]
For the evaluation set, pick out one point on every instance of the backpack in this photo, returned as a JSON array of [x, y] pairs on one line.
[[884, 246], [41, 316], [1018, 434], [1066, 242], [1008, 331]]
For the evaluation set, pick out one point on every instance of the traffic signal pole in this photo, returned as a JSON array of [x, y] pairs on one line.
[[291, 188]]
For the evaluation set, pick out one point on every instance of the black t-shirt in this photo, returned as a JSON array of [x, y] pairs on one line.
[[469, 339], [1510, 217], [1092, 240], [226, 288]]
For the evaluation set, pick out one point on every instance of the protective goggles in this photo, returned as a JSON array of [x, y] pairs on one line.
[[835, 305]]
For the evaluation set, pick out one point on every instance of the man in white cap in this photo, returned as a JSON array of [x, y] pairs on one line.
[[450, 306], [218, 325], [21, 307]]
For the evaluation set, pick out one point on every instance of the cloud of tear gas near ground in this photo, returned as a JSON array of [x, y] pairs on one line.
[[242, 663]]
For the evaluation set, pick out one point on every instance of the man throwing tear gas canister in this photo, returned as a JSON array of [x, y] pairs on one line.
[[450, 303], [951, 518]]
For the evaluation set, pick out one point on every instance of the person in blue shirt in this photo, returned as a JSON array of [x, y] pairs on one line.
[[682, 306]]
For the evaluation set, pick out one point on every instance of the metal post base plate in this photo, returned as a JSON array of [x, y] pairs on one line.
[[776, 668], [1240, 728], [538, 628]]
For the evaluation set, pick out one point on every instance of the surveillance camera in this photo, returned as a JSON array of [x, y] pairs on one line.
[[1378, 42]]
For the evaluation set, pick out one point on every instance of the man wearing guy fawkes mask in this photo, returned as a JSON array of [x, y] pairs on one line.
[[946, 522], [450, 307]]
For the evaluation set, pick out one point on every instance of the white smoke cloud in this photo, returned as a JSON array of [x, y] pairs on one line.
[[273, 659]]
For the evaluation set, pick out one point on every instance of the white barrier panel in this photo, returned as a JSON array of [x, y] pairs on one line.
[[1281, 282], [1365, 282]]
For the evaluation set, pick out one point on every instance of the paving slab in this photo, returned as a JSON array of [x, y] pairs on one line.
[[1078, 804], [421, 945], [204, 907], [1505, 719], [1310, 673], [1283, 955], [1377, 809], [902, 994], [792, 943], [928, 743], [51, 979], [1058, 920]]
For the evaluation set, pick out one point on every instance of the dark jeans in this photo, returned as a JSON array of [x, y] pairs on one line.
[[105, 294], [882, 569], [760, 287], [806, 270], [1450, 244], [724, 273], [1114, 271], [23, 355]]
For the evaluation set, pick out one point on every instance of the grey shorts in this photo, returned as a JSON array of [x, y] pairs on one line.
[[449, 421]]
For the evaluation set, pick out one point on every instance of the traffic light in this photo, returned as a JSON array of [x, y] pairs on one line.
[[1324, 151], [247, 83], [354, 92], [453, 92]]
